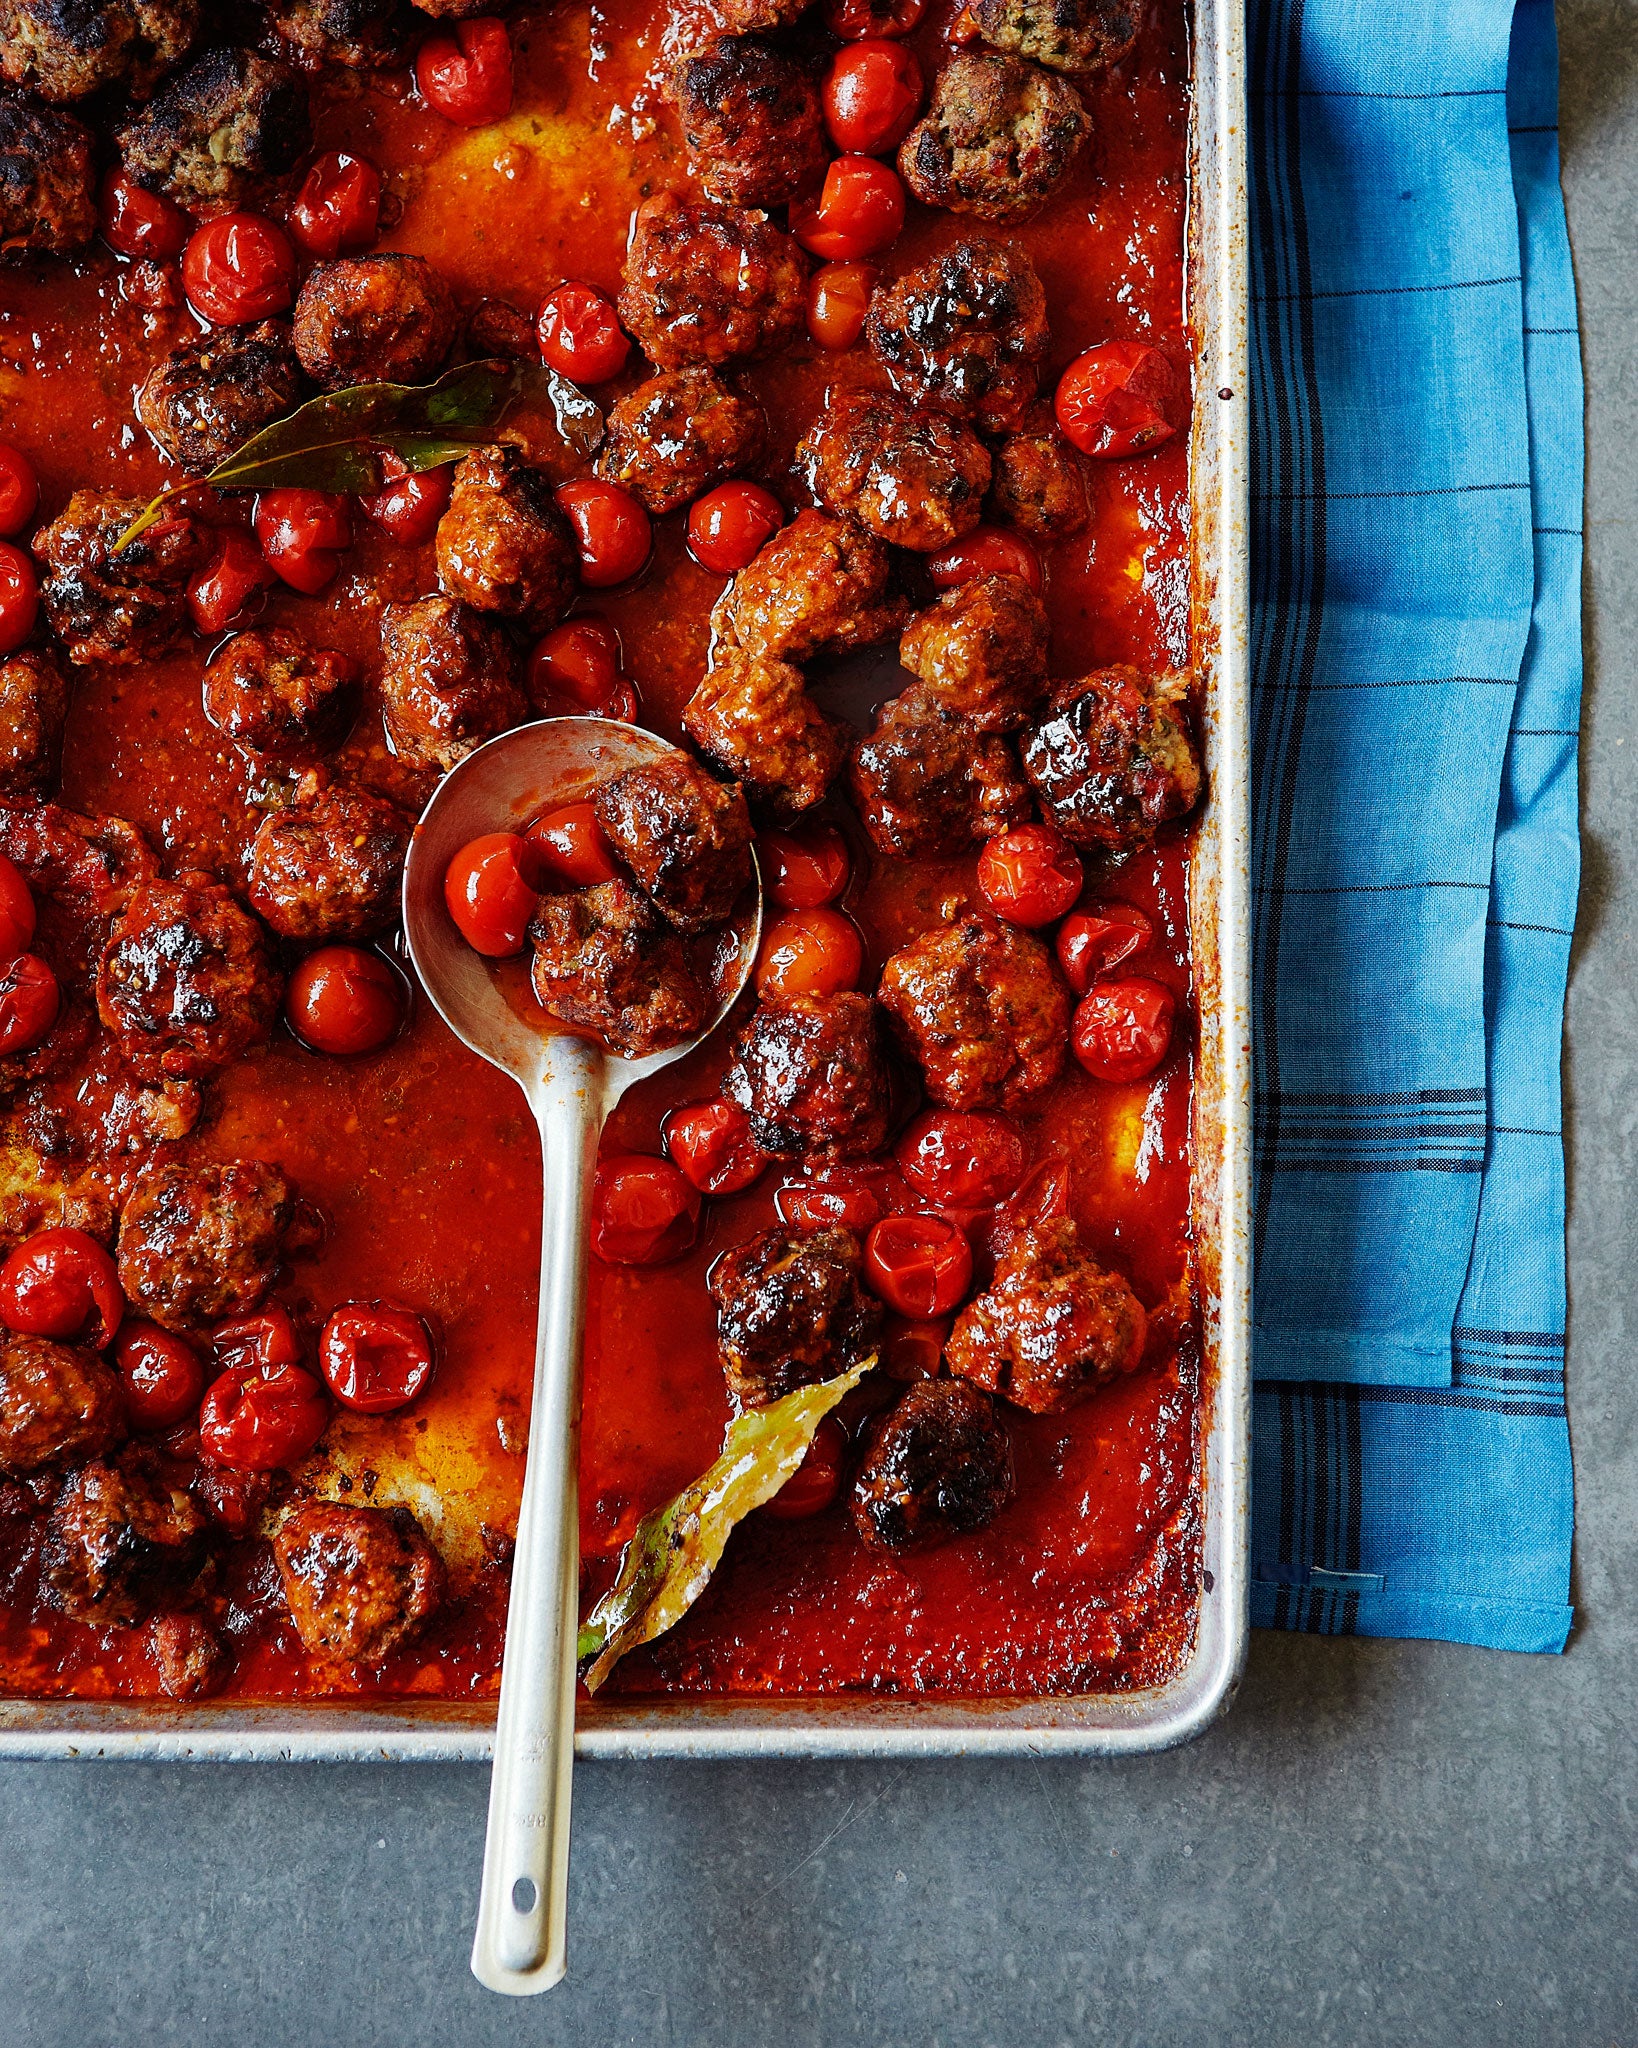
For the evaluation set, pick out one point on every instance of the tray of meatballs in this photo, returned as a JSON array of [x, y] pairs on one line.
[[815, 386]]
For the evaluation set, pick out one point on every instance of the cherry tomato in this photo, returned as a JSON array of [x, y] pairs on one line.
[[622, 704], [851, 19], [986, 551], [1094, 942], [224, 591], [805, 866], [19, 489], [853, 1198], [256, 1343], [1030, 876], [961, 1158], [16, 913], [610, 527], [161, 1374], [260, 1419], [1123, 1029], [29, 1001], [838, 300], [643, 1212], [492, 887], [580, 335], [579, 660], [61, 1283], [809, 953], [134, 222], [375, 1357], [239, 267], [571, 846], [338, 209], [859, 211], [728, 525], [914, 1350], [1120, 398], [710, 1144], [964, 31], [302, 534], [464, 72], [817, 1480], [410, 503], [343, 1000], [872, 97], [19, 597], [919, 1265]]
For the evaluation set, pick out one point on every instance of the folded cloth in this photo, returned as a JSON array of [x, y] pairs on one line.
[[1417, 656]]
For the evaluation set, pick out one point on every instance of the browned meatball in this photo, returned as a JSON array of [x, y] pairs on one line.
[[981, 652], [965, 332], [199, 1243], [364, 319], [811, 1072], [116, 607], [790, 1311], [1114, 760], [996, 138], [938, 1463], [819, 586], [679, 434], [65, 49], [329, 866], [448, 681], [1052, 1325], [58, 1404], [217, 131], [925, 783], [912, 476], [90, 865], [754, 719], [606, 961], [47, 206], [191, 1659], [361, 35], [207, 396], [186, 979], [750, 115], [980, 1009], [33, 709], [503, 546], [1039, 483], [1069, 35], [119, 1541], [273, 693], [360, 1582], [710, 284], [685, 837], [740, 17]]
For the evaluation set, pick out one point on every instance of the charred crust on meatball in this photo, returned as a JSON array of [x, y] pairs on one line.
[[753, 719], [997, 137], [201, 1243], [1039, 482], [359, 35], [218, 130], [1067, 35], [926, 784], [981, 652], [59, 1404], [330, 865], [811, 1073], [979, 1008], [33, 710], [120, 1539], [790, 1311], [47, 206], [360, 1583], [910, 475], [66, 49], [368, 319], [503, 546], [750, 116], [211, 394], [116, 606], [678, 434], [710, 284], [1115, 760], [448, 681], [684, 837], [819, 586], [270, 691], [937, 1464], [606, 961], [965, 332]]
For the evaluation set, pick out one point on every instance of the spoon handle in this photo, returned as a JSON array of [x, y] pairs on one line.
[[521, 1937]]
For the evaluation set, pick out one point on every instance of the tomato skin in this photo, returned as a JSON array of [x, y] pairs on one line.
[[579, 660], [919, 1265], [344, 1001], [817, 1480], [465, 72], [854, 1197], [611, 528], [851, 19], [710, 1144], [256, 1343], [239, 267], [580, 335], [1123, 1029], [136, 222], [961, 1158], [19, 490], [61, 1283], [410, 503], [572, 847], [644, 1211], [29, 1002], [1095, 941], [492, 890], [859, 211], [913, 1350], [375, 1357], [986, 551], [338, 208], [872, 95], [224, 592], [804, 867], [838, 300], [301, 534], [161, 1375], [809, 953], [16, 913], [1120, 398], [19, 597], [1030, 876], [262, 1418], [727, 526]]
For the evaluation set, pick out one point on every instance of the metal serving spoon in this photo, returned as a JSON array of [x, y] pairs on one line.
[[572, 1084]]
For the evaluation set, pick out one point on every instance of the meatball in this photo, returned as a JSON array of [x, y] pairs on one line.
[[90, 865], [200, 1243], [1038, 482], [685, 837], [119, 1541], [448, 681], [215, 132], [740, 17], [33, 710], [978, 1006], [360, 35], [790, 1311], [66, 49], [811, 1072], [750, 116], [912, 476], [1052, 1325], [996, 138], [606, 961], [206, 397], [679, 434], [364, 319], [1115, 760], [191, 1659], [273, 693], [926, 784], [1068, 35], [47, 207], [360, 1582], [58, 1405], [753, 719], [818, 586], [710, 284], [938, 1463], [329, 866], [503, 546], [981, 652], [186, 980], [965, 332], [119, 607]]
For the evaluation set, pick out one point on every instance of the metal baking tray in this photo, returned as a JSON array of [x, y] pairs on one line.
[[1097, 1724]]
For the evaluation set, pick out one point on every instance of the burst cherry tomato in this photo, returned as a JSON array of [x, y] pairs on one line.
[[410, 503], [134, 222], [580, 335], [16, 913], [375, 1357], [851, 19], [19, 489], [572, 847], [161, 1375], [343, 1000], [464, 72], [859, 211], [239, 267], [643, 1212], [29, 1000], [492, 888], [920, 1265], [914, 1350], [710, 1144], [1094, 942], [872, 96], [838, 300], [610, 527], [256, 1343], [260, 1419], [961, 1158], [986, 551], [338, 209], [19, 597], [729, 524], [302, 533], [809, 953], [852, 1197], [1120, 398], [224, 592], [579, 660], [61, 1283], [1123, 1029], [817, 1480], [804, 867], [1030, 876]]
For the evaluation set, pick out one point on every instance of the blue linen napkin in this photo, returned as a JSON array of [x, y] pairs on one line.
[[1417, 661]]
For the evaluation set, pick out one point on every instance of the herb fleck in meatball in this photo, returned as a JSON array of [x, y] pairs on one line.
[[925, 783], [996, 139], [273, 693], [65, 49], [330, 865], [754, 720], [200, 1243], [191, 1659], [750, 115], [119, 1541], [938, 1463], [46, 202], [218, 130], [58, 1404], [981, 652], [1114, 759], [1068, 35], [811, 1072], [119, 607], [911, 476], [360, 1582], [364, 319], [710, 284], [1038, 483], [448, 681], [361, 35], [685, 837], [965, 332], [606, 961], [186, 979], [980, 1009], [206, 397], [503, 546], [33, 708], [679, 434], [819, 586], [790, 1311]]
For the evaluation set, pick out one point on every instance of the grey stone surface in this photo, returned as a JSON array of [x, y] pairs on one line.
[[1383, 1843]]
